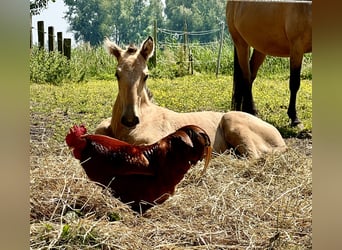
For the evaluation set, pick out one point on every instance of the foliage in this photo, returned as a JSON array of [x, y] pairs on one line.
[[198, 16], [124, 21], [87, 20], [89, 62], [36, 6], [129, 21], [48, 67], [86, 63]]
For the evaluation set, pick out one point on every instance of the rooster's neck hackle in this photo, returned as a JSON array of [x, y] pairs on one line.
[[75, 140]]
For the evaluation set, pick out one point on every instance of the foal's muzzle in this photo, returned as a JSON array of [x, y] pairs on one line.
[[130, 121]]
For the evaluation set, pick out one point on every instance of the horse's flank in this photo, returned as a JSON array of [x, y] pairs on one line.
[[283, 24]]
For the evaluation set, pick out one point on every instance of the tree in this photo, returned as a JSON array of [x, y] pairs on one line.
[[198, 16], [124, 21], [87, 20], [36, 6], [132, 20]]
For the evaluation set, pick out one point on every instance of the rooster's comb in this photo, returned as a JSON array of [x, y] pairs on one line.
[[73, 137]]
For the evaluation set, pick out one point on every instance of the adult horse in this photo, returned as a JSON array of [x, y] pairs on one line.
[[275, 28], [137, 120]]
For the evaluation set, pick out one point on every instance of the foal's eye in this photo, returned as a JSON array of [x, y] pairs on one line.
[[145, 78], [117, 75]]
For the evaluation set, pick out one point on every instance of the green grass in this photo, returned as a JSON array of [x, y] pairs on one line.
[[91, 102]]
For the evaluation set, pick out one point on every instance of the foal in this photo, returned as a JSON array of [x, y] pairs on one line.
[[137, 120]]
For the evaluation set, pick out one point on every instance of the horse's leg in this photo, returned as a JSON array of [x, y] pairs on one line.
[[254, 64], [295, 68], [245, 85], [237, 84], [256, 60]]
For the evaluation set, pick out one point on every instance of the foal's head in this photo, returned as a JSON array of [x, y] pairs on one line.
[[131, 73]]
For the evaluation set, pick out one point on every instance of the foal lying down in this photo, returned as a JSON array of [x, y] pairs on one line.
[[137, 120]]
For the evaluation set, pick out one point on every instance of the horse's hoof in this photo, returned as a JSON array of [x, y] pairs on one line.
[[304, 134], [298, 124]]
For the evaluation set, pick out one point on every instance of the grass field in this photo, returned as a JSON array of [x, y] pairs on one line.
[[237, 204]]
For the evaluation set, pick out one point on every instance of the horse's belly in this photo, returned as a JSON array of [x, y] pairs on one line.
[[272, 47], [270, 28]]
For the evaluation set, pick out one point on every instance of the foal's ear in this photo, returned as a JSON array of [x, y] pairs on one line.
[[112, 48], [147, 48]]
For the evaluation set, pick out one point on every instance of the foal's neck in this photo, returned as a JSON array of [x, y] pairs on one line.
[[118, 107]]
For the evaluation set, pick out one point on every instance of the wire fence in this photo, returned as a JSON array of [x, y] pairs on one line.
[[186, 52]]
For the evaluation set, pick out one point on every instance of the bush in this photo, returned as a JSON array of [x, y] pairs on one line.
[[85, 63], [94, 63], [48, 67]]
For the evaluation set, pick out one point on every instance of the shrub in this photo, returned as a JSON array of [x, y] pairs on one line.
[[85, 63], [48, 67], [172, 61]]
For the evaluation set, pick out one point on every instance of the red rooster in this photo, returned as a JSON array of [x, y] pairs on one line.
[[141, 176]]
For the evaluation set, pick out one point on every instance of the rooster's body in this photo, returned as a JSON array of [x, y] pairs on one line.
[[139, 175]]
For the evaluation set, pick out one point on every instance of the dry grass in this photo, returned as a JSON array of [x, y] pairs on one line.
[[237, 204]]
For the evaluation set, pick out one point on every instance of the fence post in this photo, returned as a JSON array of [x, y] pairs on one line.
[[67, 48], [60, 42], [30, 31], [191, 62], [50, 38], [154, 56], [220, 50], [185, 40], [40, 25]]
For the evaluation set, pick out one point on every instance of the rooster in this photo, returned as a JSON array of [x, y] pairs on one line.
[[141, 176]]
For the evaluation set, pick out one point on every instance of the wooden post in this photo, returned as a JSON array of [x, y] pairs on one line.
[[185, 40], [220, 50], [40, 25], [30, 31], [60, 42], [154, 56], [67, 48], [191, 63], [50, 38]]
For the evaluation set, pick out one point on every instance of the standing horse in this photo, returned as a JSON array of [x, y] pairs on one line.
[[281, 29], [137, 120]]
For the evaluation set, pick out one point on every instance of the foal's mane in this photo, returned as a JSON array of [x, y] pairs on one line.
[[149, 93], [132, 49]]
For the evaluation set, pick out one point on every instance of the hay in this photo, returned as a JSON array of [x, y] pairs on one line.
[[237, 204]]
